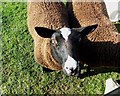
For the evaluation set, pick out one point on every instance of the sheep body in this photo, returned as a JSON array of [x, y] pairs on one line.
[[102, 47], [51, 15]]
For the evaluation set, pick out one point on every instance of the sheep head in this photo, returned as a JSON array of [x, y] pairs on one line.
[[64, 44]]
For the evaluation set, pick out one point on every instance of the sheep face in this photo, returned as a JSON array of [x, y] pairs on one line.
[[65, 44]]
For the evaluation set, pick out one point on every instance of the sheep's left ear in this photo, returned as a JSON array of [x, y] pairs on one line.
[[85, 30], [44, 32]]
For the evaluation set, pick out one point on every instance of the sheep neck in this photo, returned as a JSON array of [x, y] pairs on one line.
[[97, 54]]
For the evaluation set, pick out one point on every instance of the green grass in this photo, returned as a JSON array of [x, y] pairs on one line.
[[22, 75], [118, 27]]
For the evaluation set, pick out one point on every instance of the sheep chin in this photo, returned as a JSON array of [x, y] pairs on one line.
[[70, 66]]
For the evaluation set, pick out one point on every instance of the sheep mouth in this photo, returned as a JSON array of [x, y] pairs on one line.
[[75, 72]]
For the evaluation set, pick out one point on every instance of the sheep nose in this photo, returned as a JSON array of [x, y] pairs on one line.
[[72, 71]]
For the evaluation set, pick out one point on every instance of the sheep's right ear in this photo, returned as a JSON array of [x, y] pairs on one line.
[[86, 30], [44, 32]]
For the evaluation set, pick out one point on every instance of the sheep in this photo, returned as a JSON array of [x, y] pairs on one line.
[[55, 44], [101, 48], [64, 45], [112, 87], [51, 15]]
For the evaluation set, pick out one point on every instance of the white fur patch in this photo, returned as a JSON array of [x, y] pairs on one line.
[[65, 32], [70, 63]]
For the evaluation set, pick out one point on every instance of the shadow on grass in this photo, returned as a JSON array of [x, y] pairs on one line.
[[47, 70], [92, 72], [118, 81], [97, 71]]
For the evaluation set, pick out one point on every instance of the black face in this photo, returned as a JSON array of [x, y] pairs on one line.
[[62, 49], [59, 47], [65, 45]]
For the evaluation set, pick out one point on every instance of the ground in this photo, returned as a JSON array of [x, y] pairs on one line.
[[20, 74]]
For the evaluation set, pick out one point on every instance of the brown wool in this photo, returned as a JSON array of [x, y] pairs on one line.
[[51, 15]]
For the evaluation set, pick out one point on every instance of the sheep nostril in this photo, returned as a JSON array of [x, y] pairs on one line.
[[72, 71]]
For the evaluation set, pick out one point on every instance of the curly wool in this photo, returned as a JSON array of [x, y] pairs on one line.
[[51, 15]]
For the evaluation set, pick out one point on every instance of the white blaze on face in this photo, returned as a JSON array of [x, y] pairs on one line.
[[65, 32], [70, 64]]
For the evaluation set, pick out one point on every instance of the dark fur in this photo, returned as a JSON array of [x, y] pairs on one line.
[[102, 47]]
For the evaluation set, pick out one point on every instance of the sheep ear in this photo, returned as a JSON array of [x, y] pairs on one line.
[[44, 32], [86, 30]]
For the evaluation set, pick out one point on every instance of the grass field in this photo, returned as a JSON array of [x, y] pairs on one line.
[[22, 75]]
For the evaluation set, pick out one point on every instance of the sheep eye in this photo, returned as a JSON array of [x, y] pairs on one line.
[[66, 67], [54, 42], [61, 35]]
